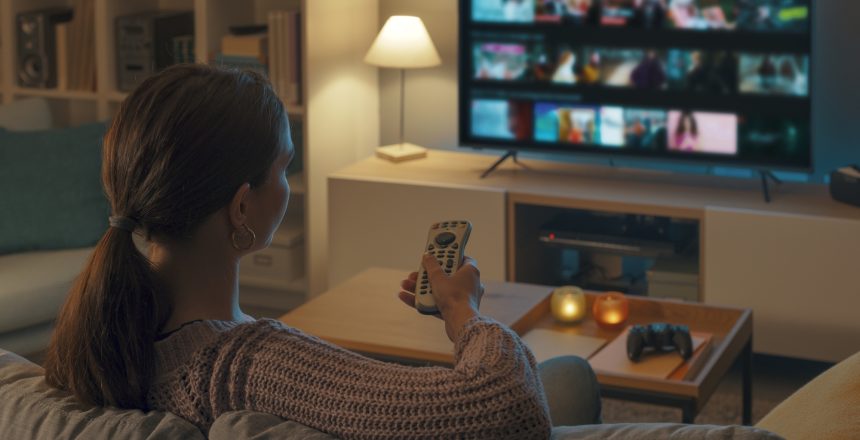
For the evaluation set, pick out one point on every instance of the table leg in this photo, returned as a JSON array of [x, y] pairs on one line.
[[746, 367], [688, 412]]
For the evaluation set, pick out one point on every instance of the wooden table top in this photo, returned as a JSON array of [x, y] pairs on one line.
[[365, 315]]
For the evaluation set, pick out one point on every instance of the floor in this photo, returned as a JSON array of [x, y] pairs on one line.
[[774, 379]]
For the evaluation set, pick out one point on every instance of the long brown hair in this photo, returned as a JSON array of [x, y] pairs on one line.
[[177, 151]]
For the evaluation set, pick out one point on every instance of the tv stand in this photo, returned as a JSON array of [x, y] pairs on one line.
[[764, 256], [509, 153], [765, 177]]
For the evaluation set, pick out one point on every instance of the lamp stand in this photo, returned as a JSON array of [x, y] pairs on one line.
[[401, 151]]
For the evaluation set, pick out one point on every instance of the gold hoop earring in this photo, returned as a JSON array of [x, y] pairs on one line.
[[243, 240]]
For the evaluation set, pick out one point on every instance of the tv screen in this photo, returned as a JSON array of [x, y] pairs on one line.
[[718, 81]]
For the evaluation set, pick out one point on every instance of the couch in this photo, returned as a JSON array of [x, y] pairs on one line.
[[32, 284], [32, 410]]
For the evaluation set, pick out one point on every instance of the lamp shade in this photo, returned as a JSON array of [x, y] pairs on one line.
[[403, 43]]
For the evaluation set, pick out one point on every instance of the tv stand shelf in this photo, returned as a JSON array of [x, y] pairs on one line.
[[787, 260]]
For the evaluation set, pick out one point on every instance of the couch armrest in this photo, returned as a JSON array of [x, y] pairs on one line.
[[668, 431], [826, 407]]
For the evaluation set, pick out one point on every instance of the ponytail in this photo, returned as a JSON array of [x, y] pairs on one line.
[[102, 349]]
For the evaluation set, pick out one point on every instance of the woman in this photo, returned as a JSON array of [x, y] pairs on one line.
[[686, 136], [195, 163]]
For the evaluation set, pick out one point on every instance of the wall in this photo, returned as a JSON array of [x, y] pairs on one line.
[[431, 94]]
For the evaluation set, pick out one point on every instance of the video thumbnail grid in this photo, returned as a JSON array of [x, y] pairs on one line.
[[694, 15], [631, 129], [684, 70]]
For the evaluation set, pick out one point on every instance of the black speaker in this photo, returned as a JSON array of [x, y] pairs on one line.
[[37, 46]]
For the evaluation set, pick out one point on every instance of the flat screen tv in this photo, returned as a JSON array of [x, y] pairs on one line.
[[714, 81]]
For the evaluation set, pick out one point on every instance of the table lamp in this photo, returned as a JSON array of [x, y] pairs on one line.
[[403, 43]]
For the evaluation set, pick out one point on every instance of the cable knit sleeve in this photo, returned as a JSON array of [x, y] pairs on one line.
[[493, 390]]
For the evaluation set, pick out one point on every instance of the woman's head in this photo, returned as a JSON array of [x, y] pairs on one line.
[[186, 141], [191, 145]]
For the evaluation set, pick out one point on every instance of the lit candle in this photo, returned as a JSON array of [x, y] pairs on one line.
[[568, 304], [610, 310]]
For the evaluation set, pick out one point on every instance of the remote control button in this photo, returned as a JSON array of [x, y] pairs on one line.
[[445, 238], [455, 246], [450, 263], [435, 226], [431, 247]]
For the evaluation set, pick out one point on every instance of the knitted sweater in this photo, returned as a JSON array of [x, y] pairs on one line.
[[493, 391]]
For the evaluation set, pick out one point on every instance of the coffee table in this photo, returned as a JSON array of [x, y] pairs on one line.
[[364, 314]]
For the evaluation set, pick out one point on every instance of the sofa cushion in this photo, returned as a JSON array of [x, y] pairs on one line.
[[667, 431], [50, 189], [33, 285], [30, 409], [28, 341], [827, 407]]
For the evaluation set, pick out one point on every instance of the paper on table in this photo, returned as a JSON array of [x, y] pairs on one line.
[[547, 344]]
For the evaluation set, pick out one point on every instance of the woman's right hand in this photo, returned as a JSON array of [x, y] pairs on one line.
[[457, 296]]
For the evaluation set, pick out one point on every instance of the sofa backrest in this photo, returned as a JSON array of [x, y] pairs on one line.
[[827, 407], [30, 409]]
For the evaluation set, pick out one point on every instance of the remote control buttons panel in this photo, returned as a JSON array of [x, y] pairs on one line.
[[445, 242]]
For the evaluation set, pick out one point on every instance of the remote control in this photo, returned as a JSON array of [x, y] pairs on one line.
[[446, 241]]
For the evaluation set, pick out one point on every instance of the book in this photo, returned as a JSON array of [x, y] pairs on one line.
[[613, 358], [547, 344], [274, 49], [81, 47], [245, 45], [285, 54]]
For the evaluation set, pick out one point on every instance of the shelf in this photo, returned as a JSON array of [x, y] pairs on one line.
[[117, 96], [288, 235], [54, 93]]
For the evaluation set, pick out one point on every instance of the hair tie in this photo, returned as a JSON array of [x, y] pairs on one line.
[[125, 223]]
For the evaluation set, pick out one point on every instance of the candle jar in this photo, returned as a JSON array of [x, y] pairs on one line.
[[610, 310], [568, 304]]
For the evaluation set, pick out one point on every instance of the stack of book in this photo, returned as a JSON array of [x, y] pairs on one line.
[[285, 54], [244, 52], [273, 49]]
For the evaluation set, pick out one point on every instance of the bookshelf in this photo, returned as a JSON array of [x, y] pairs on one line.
[[339, 112]]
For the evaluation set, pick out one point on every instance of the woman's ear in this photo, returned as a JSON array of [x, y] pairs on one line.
[[239, 206]]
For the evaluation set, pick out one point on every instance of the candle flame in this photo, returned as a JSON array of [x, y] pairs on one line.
[[612, 317]]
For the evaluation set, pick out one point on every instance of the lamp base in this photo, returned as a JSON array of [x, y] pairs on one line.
[[401, 152]]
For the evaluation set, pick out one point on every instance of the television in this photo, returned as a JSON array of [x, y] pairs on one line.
[[720, 82]]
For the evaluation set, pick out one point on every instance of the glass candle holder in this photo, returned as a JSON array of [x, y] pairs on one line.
[[568, 304], [610, 310]]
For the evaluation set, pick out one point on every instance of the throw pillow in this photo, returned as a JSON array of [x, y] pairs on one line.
[[50, 189]]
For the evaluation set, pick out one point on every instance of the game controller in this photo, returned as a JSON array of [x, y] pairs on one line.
[[660, 337], [446, 242]]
